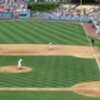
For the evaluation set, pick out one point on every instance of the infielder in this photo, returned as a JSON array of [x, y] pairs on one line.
[[50, 46], [20, 63]]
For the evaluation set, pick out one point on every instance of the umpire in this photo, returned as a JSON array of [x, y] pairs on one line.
[[92, 42]]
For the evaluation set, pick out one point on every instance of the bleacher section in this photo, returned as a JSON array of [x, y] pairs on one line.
[[19, 9], [68, 12], [85, 13]]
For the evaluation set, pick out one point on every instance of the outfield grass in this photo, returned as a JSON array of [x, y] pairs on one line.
[[49, 71], [42, 96], [41, 32]]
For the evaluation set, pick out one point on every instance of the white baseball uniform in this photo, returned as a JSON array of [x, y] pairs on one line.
[[50, 47], [20, 63]]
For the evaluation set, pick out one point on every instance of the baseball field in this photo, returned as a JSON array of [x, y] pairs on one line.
[[70, 71]]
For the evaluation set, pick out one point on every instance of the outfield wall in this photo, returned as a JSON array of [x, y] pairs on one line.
[[6, 15], [16, 14], [39, 15], [47, 16], [67, 17]]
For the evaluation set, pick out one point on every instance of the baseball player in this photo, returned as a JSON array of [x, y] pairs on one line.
[[50, 46], [92, 42], [20, 63]]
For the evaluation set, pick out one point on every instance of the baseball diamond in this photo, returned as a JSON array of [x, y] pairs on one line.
[[57, 74]]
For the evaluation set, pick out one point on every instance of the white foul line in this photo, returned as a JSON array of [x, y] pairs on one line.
[[92, 48]]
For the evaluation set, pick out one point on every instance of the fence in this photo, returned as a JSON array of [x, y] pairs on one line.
[[16, 14], [41, 15]]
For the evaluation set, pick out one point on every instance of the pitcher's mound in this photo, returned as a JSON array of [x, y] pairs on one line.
[[14, 69], [88, 88]]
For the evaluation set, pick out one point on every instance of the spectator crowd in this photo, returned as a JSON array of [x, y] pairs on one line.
[[13, 5], [76, 11]]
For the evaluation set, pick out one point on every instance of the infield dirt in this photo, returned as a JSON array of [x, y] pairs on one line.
[[14, 69], [42, 49]]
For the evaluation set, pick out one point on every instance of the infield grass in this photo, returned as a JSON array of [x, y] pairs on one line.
[[49, 71]]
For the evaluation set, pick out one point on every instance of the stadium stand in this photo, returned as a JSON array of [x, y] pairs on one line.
[[68, 13], [14, 5], [95, 18], [19, 8], [86, 13]]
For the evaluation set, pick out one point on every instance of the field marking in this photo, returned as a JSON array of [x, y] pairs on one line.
[[34, 89], [92, 48]]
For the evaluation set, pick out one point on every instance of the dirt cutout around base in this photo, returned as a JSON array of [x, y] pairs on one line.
[[14, 69], [40, 49], [91, 89]]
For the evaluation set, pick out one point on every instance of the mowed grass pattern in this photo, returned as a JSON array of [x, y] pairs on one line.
[[41, 32], [49, 71], [18, 95]]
